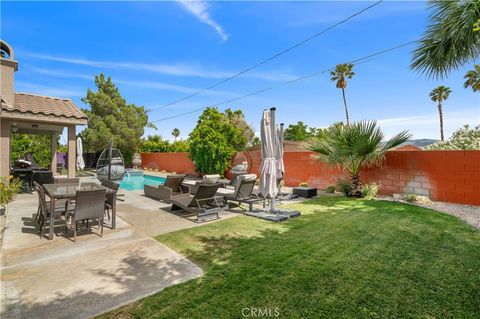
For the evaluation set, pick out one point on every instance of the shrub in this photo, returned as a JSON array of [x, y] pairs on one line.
[[330, 189], [215, 140], [303, 184], [344, 186], [411, 198], [369, 191], [8, 188]]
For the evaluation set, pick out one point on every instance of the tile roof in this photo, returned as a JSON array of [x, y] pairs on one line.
[[45, 105]]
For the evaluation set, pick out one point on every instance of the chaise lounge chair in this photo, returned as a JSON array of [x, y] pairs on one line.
[[206, 179], [203, 203], [171, 187], [244, 191]]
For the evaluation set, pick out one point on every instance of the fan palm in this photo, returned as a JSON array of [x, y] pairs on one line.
[[450, 40], [439, 95], [473, 79], [355, 146], [341, 73], [175, 133]]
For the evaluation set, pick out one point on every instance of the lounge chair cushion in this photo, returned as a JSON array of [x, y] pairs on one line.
[[210, 179]]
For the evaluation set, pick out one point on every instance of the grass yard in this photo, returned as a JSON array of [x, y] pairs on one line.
[[343, 258]]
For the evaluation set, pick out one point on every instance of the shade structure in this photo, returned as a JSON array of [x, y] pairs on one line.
[[80, 162], [268, 168]]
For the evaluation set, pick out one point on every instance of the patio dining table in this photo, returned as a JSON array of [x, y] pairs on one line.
[[66, 191]]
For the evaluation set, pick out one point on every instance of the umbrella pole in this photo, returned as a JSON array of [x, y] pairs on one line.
[[274, 142]]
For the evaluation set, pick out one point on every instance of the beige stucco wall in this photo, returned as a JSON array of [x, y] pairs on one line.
[[7, 71]]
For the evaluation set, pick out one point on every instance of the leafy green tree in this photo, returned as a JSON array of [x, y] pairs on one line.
[[302, 132], [465, 138], [238, 120], [472, 79], [440, 94], [111, 118], [175, 133], [353, 147], [297, 132], [214, 141], [450, 40], [155, 144], [36, 145], [340, 75]]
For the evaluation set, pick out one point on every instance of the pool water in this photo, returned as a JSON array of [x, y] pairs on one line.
[[133, 182]]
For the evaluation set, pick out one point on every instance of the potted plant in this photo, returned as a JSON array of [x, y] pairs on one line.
[[8, 188]]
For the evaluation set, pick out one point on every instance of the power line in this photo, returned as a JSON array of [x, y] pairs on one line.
[[268, 59], [363, 59]]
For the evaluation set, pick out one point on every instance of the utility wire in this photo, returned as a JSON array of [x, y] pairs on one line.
[[268, 59], [364, 59]]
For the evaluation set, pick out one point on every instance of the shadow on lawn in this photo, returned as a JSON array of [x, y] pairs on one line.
[[384, 258]]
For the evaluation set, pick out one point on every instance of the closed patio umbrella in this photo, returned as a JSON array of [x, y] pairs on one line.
[[268, 168], [80, 162], [272, 167]]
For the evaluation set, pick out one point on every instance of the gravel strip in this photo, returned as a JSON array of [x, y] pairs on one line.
[[468, 213]]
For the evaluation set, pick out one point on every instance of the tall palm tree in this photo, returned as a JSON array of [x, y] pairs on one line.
[[355, 146], [439, 95], [451, 39], [341, 73], [175, 133], [473, 79]]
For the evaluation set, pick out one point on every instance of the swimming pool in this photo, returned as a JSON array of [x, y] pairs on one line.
[[135, 182]]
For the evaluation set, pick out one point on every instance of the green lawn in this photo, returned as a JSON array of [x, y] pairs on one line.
[[343, 258]]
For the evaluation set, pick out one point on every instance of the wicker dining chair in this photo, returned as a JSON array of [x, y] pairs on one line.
[[44, 209], [89, 204], [109, 198]]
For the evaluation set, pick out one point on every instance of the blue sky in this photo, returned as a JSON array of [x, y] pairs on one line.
[[157, 52]]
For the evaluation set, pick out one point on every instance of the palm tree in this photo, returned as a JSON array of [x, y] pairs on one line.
[[341, 73], [473, 79], [355, 146], [439, 95], [175, 133], [451, 39]]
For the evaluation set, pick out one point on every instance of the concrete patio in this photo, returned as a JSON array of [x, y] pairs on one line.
[[62, 279]]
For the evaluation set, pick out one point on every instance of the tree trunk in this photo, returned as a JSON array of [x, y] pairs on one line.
[[441, 120], [346, 108], [356, 190]]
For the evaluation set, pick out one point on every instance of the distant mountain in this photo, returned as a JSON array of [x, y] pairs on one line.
[[422, 142]]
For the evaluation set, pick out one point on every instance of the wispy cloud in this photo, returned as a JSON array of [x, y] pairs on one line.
[[166, 69], [48, 90], [456, 118], [200, 9], [171, 87], [155, 85]]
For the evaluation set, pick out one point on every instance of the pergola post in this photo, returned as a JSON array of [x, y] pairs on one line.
[[5, 128], [71, 151], [53, 164]]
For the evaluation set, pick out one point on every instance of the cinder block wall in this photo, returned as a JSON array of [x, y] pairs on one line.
[[451, 176]]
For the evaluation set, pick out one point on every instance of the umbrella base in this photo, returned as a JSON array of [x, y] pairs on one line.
[[288, 213], [277, 216]]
